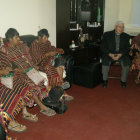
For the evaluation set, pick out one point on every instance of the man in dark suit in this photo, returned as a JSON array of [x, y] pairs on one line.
[[115, 47]]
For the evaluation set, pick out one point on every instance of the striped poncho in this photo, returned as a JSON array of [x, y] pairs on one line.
[[20, 58], [12, 100], [37, 52]]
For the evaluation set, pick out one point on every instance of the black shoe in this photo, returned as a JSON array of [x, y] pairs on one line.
[[105, 82], [123, 84]]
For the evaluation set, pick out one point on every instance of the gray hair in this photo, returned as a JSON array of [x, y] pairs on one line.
[[119, 22]]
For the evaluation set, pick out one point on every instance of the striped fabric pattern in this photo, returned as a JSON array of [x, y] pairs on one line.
[[33, 89], [16, 56], [13, 100], [24, 89], [37, 52], [3, 58], [24, 61]]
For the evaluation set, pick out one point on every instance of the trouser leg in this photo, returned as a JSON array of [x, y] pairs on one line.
[[124, 73], [105, 70]]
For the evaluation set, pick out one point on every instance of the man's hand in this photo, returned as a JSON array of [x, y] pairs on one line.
[[52, 53], [19, 70], [132, 67], [60, 51], [6, 71], [131, 53], [118, 56], [112, 56], [115, 57]]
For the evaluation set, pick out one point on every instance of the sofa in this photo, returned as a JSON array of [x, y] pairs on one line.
[[28, 39]]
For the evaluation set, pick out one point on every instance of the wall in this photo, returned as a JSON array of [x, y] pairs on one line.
[[111, 14], [119, 10], [125, 14], [28, 16], [125, 11], [136, 13]]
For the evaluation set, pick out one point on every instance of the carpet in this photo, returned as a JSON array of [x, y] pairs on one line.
[[95, 114]]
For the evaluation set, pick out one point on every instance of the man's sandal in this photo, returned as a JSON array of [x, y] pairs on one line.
[[137, 81], [65, 85], [30, 117], [67, 97], [16, 127], [49, 112]]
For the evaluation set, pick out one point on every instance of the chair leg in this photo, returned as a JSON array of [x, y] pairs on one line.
[[114, 77]]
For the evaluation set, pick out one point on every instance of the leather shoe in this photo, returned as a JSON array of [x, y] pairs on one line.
[[105, 82], [123, 84]]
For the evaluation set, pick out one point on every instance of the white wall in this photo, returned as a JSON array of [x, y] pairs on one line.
[[111, 14], [125, 11], [136, 13], [126, 14], [28, 16], [120, 10]]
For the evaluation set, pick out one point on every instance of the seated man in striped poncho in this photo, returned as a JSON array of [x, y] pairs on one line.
[[43, 53], [14, 95]]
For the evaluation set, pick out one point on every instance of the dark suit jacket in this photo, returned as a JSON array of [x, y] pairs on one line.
[[109, 45]]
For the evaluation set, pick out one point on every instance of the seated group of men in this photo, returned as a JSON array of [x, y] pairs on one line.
[[27, 76]]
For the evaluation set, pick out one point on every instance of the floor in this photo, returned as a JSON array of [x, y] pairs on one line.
[[95, 114]]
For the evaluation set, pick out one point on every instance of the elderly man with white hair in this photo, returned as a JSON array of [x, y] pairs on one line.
[[115, 47]]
